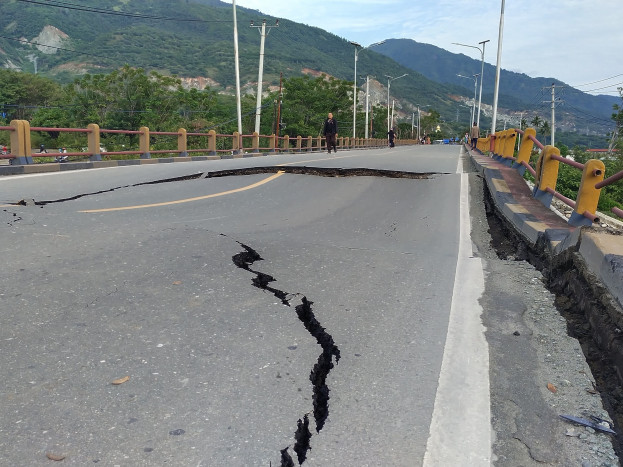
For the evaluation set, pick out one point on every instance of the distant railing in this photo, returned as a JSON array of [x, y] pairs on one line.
[[215, 145], [502, 148]]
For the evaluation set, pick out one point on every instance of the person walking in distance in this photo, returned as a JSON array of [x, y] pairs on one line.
[[391, 135], [474, 134], [330, 132]]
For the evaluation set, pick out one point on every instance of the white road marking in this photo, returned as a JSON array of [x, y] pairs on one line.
[[460, 431]]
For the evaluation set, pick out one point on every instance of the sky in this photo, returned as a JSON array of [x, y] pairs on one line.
[[577, 42]]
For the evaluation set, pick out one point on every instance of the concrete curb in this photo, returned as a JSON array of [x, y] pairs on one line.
[[602, 253]]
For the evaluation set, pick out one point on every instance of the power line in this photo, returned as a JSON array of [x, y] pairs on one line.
[[598, 81], [605, 87], [73, 6]]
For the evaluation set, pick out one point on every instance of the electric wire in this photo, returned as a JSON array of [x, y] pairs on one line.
[[73, 6], [598, 81]]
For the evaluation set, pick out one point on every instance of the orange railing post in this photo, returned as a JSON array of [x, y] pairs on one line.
[[546, 175], [143, 142], [525, 150], [588, 196]]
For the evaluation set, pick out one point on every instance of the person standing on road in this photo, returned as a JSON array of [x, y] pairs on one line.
[[474, 135], [42, 149], [391, 135], [330, 132]]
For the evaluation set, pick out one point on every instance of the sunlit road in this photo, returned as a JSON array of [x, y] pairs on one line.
[[235, 305]]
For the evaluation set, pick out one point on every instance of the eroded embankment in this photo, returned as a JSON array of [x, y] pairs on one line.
[[593, 316]]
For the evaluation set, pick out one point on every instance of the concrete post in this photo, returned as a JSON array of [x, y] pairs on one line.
[[182, 142], [93, 142], [212, 143], [588, 196], [143, 144]]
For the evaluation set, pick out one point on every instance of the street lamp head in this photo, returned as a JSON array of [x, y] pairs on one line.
[[355, 44]]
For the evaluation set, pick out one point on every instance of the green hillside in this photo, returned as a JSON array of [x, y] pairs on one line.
[[194, 38], [518, 91]]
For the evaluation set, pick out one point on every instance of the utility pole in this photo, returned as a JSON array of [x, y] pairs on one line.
[[553, 114], [419, 124], [258, 107], [237, 60], [279, 107], [367, 103], [553, 107]]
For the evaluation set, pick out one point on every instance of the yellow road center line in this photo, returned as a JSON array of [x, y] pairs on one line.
[[189, 200]]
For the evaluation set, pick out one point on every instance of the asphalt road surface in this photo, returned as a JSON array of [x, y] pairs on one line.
[[247, 319]]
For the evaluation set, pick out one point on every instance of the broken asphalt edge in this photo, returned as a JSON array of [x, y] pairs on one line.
[[601, 252]]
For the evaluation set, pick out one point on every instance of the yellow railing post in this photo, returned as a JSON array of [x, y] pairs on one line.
[[273, 143], [310, 144], [299, 143], [525, 150], [499, 137], [320, 143], [509, 146], [143, 142], [20, 143], [286, 143], [182, 142], [93, 142], [235, 143], [212, 143], [256, 142], [588, 196], [546, 175]]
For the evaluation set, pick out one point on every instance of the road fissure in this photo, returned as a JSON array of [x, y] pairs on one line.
[[319, 373]]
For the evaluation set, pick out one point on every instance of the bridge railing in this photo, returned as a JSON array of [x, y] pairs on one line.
[[209, 143], [502, 148]]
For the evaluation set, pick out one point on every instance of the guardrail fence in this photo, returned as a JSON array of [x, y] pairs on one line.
[[209, 143], [502, 148]]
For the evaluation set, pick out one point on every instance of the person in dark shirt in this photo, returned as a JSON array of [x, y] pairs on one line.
[[391, 135], [330, 132]]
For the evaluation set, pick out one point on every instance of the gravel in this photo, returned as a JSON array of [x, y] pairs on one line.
[[537, 371]]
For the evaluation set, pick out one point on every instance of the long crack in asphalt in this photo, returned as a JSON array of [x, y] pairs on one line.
[[300, 170], [321, 369]]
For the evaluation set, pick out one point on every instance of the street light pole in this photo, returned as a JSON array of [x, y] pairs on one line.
[[389, 82], [474, 103], [358, 47], [482, 72], [497, 75], [258, 107]]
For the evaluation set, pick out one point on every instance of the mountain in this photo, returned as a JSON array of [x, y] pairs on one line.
[[193, 39], [517, 91]]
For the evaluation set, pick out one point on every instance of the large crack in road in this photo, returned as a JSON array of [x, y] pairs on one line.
[[298, 170], [320, 371]]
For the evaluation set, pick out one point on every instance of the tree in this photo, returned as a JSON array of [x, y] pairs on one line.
[[21, 94], [307, 101], [430, 122], [545, 128], [536, 122]]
